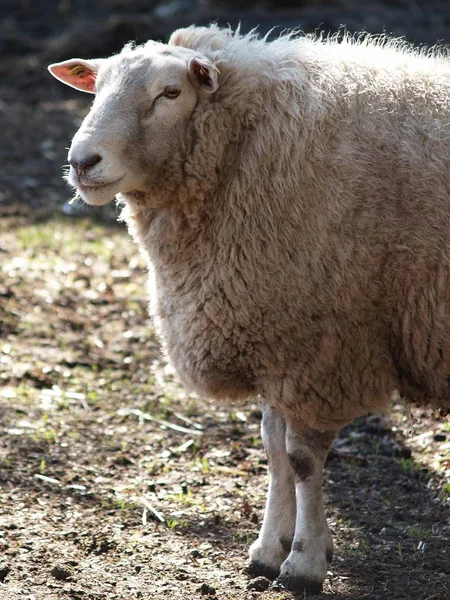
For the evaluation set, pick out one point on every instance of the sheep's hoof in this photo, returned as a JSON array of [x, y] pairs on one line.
[[257, 569], [298, 584]]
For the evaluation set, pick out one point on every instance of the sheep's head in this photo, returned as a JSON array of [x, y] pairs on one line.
[[144, 99]]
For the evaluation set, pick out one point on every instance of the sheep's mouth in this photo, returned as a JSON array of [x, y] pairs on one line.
[[84, 181], [99, 193], [97, 185]]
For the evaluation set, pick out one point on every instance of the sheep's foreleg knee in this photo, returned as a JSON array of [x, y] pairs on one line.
[[277, 531], [312, 546]]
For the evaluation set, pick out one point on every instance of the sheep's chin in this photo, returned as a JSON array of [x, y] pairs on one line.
[[98, 196]]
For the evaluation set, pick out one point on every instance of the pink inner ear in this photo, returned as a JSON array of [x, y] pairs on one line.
[[205, 74], [77, 75]]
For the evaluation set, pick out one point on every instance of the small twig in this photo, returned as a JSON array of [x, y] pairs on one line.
[[421, 436], [183, 447], [47, 479], [188, 420], [142, 415], [152, 509]]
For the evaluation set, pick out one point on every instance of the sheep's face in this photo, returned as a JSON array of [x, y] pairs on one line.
[[144, 99]]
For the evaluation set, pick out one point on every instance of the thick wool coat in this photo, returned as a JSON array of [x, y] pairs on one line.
[[299, 242]]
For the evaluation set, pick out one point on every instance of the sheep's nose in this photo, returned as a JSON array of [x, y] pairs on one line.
[[83, 165]]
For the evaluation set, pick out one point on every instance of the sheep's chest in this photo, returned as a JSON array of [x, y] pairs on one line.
[[205, 336], [203, 299]]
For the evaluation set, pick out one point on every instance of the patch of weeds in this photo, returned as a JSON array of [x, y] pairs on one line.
[[244, 537], [408, 465], [21, 393], [445, 491], [6, 462], [201, 464], [44, 434], [31, 236], [100, 249], [416, 531], [195, 446], [360, 548], [152, 406], [190, 408], [186, 499], [365, 548], [256, 441], [62, 403], [166, 401], [121, 504], [177, 523], [92, 396], [153, 467]]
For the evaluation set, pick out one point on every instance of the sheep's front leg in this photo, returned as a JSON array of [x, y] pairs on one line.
[[277, 531], [312, 546]]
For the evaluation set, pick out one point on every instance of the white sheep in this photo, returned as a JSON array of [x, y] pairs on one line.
[[293, 199]]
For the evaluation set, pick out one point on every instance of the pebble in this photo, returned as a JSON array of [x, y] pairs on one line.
[[401, 451], [4, 570], [207, 590], [259, 584], [60, 572]]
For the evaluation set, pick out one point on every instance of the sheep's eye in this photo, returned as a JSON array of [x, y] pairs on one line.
[[172, 91]]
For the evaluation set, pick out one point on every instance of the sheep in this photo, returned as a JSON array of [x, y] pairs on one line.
[[293, 200]]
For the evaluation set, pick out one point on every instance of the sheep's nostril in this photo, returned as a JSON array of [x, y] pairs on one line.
[[86, 163]]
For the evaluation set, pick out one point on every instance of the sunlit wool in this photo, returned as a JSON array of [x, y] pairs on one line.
[[304, 253]]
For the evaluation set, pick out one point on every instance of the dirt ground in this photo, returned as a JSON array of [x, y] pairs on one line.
[[114, 483]]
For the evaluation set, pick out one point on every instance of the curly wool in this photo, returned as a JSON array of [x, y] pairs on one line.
[[303, 253]]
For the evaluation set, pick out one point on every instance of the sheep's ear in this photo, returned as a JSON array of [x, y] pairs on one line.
[[79, 74], [203, 75]]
